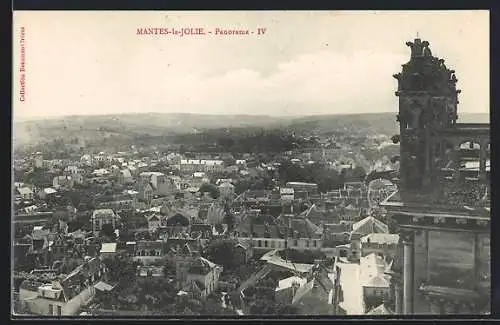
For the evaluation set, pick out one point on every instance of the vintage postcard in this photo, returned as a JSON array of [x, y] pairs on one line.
[[250, 163]]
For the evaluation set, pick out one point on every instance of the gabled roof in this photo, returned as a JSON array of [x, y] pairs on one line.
[[313, 212], [201, 265], [380, 310], [320, 280], [312, 228], [370, 225], [372, 271], [70, 282], [242, 244], [155, 217], [294, 267], [102, 286]]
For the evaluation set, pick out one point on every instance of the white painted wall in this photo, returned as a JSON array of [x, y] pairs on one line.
[[40, 306]]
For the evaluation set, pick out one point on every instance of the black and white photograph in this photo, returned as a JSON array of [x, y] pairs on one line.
[[250, 164]]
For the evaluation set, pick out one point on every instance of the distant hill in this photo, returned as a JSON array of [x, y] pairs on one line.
[[380, 123], [128, 126], [384, 123]]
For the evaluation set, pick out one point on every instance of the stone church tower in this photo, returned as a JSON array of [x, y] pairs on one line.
[[428, 101]]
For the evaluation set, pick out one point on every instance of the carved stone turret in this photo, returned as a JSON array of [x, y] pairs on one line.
[[427, 103]]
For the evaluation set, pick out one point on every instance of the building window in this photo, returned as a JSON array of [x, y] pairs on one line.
[[51, 309], [307, 243], [295, 242], [259, 243], [315, 244], [265, 243], [59, 310]]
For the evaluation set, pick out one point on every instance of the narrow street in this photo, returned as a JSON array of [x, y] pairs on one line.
[[352, 290]]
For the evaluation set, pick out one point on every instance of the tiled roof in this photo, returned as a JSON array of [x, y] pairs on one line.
[[313, 212], [30, 285], [172, 243], [108, 248], [144, 244], [380, 310], [378, 238], [201, 265], [207, 262], [372, 271], [287, 282], [103, 213], [303, 290], [193, 287], [243, 244], [102, 286], [294, 267], [370, 225]]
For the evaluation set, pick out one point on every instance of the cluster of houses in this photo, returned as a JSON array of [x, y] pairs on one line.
[[69, 269], [182, 219], [365, 252]]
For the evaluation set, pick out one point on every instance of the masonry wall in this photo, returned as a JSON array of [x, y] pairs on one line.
[[421, 271]]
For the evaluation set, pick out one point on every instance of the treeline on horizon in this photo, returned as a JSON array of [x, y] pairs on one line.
[[236, 140]]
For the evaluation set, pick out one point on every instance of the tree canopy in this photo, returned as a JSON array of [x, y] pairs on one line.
[[211, 189], [108, 231], [221, 252]]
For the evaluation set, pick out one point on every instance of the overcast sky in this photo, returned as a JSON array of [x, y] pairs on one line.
[[306, 63]]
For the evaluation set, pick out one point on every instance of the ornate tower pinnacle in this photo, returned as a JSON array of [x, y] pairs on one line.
[[428, 101]]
